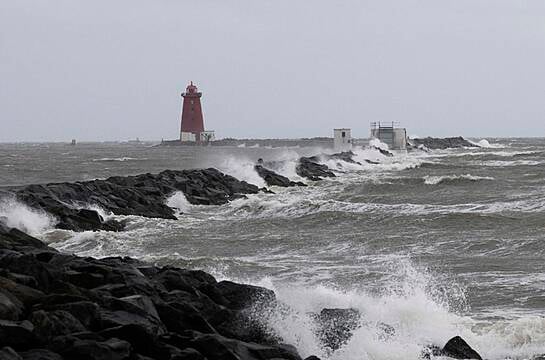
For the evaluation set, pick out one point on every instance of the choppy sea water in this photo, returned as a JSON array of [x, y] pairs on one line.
[[434, 244]]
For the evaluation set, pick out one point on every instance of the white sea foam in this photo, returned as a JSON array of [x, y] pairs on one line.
[[18, 215], [179, 202], [485, 144], [421, 310], [107, 159], [435, 180], [377, 143], [507, 163]]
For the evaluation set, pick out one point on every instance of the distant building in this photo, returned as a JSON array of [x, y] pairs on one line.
[[342, 139], [388, 133], [192, 126]]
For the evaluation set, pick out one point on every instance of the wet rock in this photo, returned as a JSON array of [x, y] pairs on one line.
[[40, 354], [311, 170], [119, 318], [7, 353], [446, 143], [274, 179], [50, 324], [346, 156], [10, 307], [74, 348], [240, 296], [142, 195], [457, 348], [108, 309], [86, 312], [218, 347], [179, 317], [17, 334], [335, 326], [141, 340], [190, 354], [383, 151]]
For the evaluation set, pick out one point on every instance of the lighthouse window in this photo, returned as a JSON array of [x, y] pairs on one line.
[[192, 101], [343, 134]]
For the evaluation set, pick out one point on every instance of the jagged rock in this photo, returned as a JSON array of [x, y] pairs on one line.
[[71, 347], [240, 296], [179, 317], [457, 348], [10, 307], [40, 354], [274, 179], [7, 353], [54, 323], [142, 195], [159, 313], [215, 346], [17, 334], [86, 312], [190, 354], [311, 170], [346, 156], [335, 326], [119, 318], [446, 143], [382, 151]]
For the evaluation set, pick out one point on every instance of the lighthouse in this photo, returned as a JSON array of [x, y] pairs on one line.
[[192, 127]]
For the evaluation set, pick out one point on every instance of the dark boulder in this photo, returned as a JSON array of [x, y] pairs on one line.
[[48, 325], [86, 312], [240, 296], [274, 179], [457, 348], [10, 307], [383, 151], [311, 170], [71, 347], [215, 346], [40, 354], [18, 335], [7, 353]]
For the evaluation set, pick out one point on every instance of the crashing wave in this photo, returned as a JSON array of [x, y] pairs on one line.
[[20, 216], [120, 159], [453, 179]]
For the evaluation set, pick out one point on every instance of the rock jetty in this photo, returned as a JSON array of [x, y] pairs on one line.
[[142, 195], [443, 143]]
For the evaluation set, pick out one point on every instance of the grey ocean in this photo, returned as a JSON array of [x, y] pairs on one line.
[[434, 244]]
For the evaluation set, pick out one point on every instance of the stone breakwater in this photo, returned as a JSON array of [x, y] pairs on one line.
[[443, 143], [145, 195], [56, 306]]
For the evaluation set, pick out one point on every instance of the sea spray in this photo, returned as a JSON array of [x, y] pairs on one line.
[[15, 214], [179, 202], [242, 169]]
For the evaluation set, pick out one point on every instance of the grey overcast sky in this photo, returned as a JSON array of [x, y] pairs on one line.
[[107, 70]]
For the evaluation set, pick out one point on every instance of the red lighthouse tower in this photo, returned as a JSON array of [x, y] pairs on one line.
[[192, 128]]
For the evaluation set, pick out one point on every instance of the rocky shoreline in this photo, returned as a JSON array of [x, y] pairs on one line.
[[56, 306], [146, 194]]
